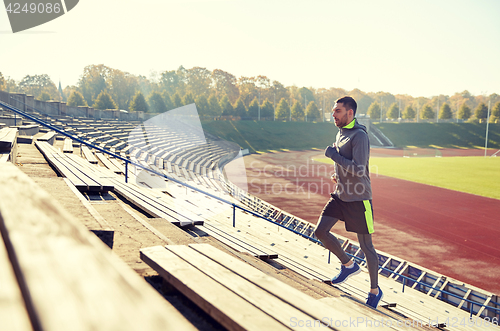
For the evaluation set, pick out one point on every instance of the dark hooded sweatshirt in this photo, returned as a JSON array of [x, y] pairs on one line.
[[351, 153]]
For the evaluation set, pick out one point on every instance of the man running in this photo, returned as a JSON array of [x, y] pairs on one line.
[[351, 201]]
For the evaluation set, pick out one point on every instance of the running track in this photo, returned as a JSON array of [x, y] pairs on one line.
[[452, 233]]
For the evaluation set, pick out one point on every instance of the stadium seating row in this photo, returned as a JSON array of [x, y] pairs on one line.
[[56, 276], [281, 218]]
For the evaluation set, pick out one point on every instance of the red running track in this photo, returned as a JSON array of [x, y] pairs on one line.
[[452, 233], [461, 229]]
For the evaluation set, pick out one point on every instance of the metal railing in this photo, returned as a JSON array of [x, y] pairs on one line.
[[234, 206]]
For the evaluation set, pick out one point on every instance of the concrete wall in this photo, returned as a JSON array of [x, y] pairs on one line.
[[27, 103], [11, 121]]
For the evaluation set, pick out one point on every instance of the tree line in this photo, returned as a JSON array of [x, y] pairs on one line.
[[426, 112], [219, 93]]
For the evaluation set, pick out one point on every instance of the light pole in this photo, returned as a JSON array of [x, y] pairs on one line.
[[399, 116], [487, 127], [259, 103], [418, 109], [274, 107], [323, 106], [437, 112], [380, 112], [305, 105]]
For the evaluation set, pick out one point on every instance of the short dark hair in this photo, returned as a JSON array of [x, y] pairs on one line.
[[348, 102]]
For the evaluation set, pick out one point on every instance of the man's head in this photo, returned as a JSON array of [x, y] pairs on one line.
[[344, 111]]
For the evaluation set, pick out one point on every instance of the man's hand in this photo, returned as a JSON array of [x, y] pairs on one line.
[[330, 151], [334, 178]]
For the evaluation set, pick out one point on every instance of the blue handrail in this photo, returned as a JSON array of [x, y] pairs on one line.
[[3, 104], [17, 111]]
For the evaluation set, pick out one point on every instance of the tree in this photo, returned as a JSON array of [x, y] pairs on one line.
[[76, 99], [393, 112], [374, 111], [225, 84], [495, 112], [481, 111], [215, 109], [362, 99], [464, 112], [263, 85], [93, 81], [226, 106], [312, 112], [445, 112], [104, 101], [171, 81], [10, 85], [253, 109], [38, 84], [2, 82], [202, 105], [248, 88], [167, 100], [306, 95], [409, 113], [176, 100], [283, 110], [122, 86], [139, 103], [267, 109], [44, 96], [240, 109], [156, 102], [198, 81], [297, 111], [427, 113], [188, 99], [279, 91]]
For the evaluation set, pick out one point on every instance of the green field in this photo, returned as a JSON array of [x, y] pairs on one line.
[[267, 136], [476, 175], [444, 135]]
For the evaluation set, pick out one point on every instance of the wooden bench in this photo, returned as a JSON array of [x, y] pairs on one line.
[[29, 130], [108, 164], [8, 145], [7, 139], [48, 137], [68, 146], [159, 206], [80, 175], [239, 296], [156, 205], [117, 164], [89, 155], [57, 276], [239, 241]]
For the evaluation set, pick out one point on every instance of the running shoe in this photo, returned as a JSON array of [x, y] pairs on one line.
[[346, 273], [374, 299]]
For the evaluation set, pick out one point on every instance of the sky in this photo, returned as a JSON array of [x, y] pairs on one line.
[[420, 48]]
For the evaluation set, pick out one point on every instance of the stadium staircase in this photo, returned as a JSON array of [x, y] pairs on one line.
[[378, 138], [181, 178]]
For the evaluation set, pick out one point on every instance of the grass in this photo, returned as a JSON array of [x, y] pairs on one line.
[[441, 135], [265, 136], [476, 175]]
